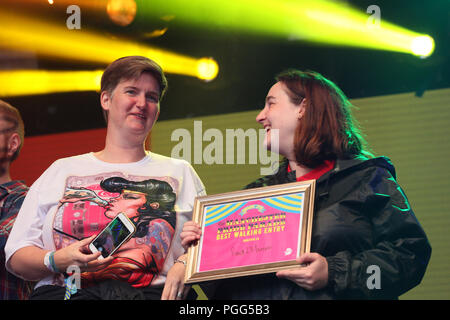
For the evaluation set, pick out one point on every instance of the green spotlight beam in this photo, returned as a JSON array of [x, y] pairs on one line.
[[318, 21]]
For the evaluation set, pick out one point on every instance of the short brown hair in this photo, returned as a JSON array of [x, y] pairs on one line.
[[12, 115], [328, 129], [131, 67]]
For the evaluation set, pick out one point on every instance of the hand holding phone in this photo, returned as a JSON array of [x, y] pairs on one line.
[[114, 235], [79, 254]]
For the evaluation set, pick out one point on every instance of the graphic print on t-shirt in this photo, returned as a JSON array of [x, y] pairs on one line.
[[90, 203]]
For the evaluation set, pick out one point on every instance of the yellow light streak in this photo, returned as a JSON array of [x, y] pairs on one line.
[[31, 82], [57, 41]]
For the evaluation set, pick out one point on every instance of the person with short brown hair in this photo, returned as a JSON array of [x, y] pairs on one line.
[[131, 67], [76, 197]]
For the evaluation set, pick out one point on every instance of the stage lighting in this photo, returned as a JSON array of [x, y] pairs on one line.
[[57, 41], [320, 21], [207, 69], [422, 46], [31, 82], [121, 12]]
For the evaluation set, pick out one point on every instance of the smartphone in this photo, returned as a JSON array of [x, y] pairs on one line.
[[115, 234]]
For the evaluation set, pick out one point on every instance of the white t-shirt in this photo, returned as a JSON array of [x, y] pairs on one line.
[[57, 203]]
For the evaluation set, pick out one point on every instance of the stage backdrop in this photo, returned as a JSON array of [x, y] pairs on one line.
[[412, 131]]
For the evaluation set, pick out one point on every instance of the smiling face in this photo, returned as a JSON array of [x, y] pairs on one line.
[[281, 114], [133, 106]]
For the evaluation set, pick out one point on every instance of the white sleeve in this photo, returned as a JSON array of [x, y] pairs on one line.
[[28, 227], [198, 184], [192, 187]]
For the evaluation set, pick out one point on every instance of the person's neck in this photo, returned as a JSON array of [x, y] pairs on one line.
[[299, 169], [115, 153], [121, 149], [5, 177]]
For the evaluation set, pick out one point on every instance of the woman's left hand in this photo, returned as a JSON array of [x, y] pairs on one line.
[[313, 276], [174, 288]]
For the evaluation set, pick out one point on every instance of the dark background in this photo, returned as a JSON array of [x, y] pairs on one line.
[[247, 64]]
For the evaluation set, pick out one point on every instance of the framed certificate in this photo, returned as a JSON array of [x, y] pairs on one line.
[[251, 231]]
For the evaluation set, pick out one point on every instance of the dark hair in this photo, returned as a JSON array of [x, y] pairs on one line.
[[12, 115], [328, 129], [131, 67], [156, 191]]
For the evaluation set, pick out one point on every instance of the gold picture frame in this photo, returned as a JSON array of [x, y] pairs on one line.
[[252, 231]]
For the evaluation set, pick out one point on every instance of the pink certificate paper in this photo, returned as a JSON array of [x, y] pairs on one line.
[[247, 233]]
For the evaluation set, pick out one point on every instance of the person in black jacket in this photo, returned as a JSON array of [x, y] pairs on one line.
[[366, 242]]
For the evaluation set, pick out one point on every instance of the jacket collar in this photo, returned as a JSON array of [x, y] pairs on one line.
[[342, 165], [345, 165]]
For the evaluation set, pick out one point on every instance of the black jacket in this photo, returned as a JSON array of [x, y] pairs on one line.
[[362, 221]]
